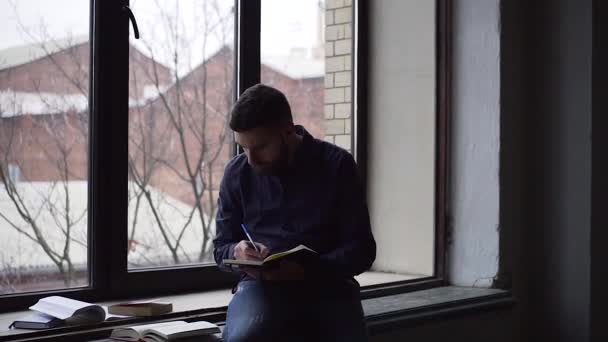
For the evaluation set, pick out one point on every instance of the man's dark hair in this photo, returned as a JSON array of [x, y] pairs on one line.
[[259, 106]]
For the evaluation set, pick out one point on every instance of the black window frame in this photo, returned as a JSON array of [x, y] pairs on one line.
[[109, 277]]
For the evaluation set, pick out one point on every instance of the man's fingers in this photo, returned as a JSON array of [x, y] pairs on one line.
[[244, 250], [252, 254], [264, 251]]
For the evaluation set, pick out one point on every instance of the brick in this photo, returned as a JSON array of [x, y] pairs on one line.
[[334, 32], [329, 111], [348, 2], [342, 110], [334, 64], [343, 141], [329, 138], [347, 95], [330, 4], [341, 79], [347, 127], [348, 31], [343, 15], [334, 95], [329, 49], [347, 63], [343, 47], [329, 80], [329, 17], [333, 127]]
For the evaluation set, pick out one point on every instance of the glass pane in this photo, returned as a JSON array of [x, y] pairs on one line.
[[44, 122], [180, 89], [298, 58]]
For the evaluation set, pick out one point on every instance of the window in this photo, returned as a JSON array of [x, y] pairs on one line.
[[117, 156], [293, 59], [179, 139], [44, 135]]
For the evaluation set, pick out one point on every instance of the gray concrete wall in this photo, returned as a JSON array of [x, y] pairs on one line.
[[475, 143]]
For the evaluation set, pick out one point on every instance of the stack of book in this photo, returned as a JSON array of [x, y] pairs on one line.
[[55, 311]]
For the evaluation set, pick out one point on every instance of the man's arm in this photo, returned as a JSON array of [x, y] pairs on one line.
[[356, 248], [227, 222]]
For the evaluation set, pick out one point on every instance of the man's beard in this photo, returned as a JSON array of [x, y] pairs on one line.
[[278, 166]]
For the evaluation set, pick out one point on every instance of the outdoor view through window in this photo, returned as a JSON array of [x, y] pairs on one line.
[[181, 82], [44, 133]]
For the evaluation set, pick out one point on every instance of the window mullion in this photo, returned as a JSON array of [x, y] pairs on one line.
[[109, 147]]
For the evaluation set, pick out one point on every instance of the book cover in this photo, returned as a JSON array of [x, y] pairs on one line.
[[36, 321], [141, 308]]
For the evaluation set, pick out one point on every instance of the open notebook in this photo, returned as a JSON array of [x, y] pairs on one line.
[[300, 252], [165, 331]]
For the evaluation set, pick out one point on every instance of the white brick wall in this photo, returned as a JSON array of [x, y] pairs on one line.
[[342, 110], [334, 64], [334, 32], [329, 17], [338, 72], [329, 49], [343, 141], [343, 15], [329, 111], [329, 80], [341, 79], [334, 95], [334, 127], [342, 47], [329, 4]]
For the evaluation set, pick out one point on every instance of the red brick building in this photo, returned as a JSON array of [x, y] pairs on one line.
[[179, 140], [56, 128]]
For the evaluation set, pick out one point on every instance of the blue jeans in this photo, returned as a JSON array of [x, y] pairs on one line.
[[262, 311]]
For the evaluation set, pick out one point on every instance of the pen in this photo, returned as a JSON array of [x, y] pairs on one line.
[[249, 237]]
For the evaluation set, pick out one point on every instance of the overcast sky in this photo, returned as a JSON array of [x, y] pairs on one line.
[[285, 23]]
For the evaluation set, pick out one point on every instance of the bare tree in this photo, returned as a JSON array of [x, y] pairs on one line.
[[188, 118], [51, 212]]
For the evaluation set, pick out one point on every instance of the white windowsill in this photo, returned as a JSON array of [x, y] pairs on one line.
[[207, 299]]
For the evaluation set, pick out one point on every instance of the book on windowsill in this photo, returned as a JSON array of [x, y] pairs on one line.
[[145, 308], [36, 321], [299, 253], [54, 311], [165, 331]]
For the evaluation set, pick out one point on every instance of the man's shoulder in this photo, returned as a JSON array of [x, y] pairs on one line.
[[235, 165], [332, 154]]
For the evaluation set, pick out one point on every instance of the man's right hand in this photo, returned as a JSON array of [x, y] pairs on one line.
[[245, 251]]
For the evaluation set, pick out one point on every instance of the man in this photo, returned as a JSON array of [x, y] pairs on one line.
[[289, 188]]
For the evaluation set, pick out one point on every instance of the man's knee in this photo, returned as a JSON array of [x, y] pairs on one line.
[[249, 316], [252, 330]]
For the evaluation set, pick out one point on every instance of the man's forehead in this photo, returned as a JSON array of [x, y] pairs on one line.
[[254, 136]]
